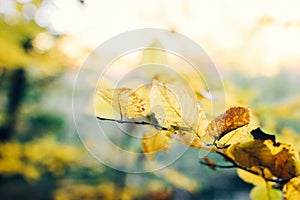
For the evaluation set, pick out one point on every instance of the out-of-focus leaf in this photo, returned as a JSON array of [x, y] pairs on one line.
[[179, 180], [265, 192], [153, 143], [18, 49], [155, 54]]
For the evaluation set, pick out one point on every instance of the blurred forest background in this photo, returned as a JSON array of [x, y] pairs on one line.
[[256, 46]]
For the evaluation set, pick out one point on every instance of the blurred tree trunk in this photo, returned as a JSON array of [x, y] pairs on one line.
[[15, 94]]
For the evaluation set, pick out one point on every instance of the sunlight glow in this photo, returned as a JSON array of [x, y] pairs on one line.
[[258, 37]]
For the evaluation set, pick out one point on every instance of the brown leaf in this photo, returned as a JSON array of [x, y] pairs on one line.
[[232, 119]]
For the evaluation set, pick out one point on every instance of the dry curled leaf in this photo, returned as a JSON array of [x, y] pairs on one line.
[[232, 119]]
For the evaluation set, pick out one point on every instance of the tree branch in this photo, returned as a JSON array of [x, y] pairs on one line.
[[157, 126]]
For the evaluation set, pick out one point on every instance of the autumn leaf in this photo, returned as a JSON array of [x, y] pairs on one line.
[[165, 105], [265, 191], [239, 135], [232, 119], [250, 154], [155, 142], [125, 101], [176, 110], [257, 155], [253, 178], [291, 190], [286, 160]]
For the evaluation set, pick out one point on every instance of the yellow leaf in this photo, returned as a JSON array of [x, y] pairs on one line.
[[240, 135], [252, 178], [155, 54], [291, 190], [125, 101], [258, 155], [165, 105], [176, 110], [233, 118], [159, 141], [252, 153], [265, 192]]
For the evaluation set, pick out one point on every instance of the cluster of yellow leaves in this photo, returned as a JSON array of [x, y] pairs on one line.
[[175, 114], [107, 191], [33, 158], [264, 162], [20, 47]]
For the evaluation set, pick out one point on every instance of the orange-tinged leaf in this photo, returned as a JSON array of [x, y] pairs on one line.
[[291, 190], [155, 142], [232, 119], [286, 160]]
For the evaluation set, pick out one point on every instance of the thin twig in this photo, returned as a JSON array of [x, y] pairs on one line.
[[218, 166], [134, 122]]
